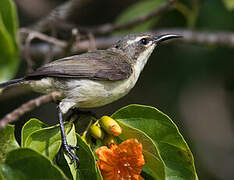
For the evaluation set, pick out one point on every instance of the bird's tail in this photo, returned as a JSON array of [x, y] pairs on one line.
[[11, 82]]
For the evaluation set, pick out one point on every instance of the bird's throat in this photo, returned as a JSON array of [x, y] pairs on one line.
[[142, 60]]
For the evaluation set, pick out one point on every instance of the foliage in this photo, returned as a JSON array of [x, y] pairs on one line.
[[229, 4], [137, 10], [7, 141], [9, 51], [166, 153]]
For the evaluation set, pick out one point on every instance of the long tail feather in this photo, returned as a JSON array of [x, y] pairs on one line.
[[11, 82]]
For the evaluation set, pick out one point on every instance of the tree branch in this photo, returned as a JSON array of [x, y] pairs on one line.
[[27, 107], [108, 28], [189, 36], [37, 35]]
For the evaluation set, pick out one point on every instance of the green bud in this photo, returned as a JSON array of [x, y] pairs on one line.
[[110, 126], [96, 132]]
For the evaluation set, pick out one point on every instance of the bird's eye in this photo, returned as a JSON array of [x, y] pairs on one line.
[[144, 41]]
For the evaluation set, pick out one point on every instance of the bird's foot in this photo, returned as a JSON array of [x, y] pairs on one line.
[[68, 149]]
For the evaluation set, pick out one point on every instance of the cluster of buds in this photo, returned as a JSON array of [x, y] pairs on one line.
[[105, 129]]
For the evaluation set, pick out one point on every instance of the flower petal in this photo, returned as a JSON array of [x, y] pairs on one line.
[[121, 162]]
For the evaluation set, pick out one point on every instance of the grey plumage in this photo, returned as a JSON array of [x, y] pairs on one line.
[[98, 65]]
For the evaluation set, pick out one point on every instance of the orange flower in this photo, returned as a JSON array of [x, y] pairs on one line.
[[123, 162]]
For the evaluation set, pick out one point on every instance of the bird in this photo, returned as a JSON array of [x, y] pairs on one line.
[[93, 79]]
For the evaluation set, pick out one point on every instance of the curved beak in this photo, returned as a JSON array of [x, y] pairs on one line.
[[165, 37]]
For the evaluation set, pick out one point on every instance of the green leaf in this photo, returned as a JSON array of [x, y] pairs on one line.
[[88, 168], [46, 141], [137, 10], [7, 173], [9, 17], [29, 127], [7, 141], [229, 4], [63, 165], [159, 127], [9, 51], [26, 164]]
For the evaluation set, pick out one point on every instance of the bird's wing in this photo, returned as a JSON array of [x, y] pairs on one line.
[[99, 65]]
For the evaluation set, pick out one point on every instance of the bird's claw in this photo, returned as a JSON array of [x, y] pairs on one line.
[[73, 147], [74, 158]]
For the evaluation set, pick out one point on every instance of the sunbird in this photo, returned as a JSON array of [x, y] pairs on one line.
[[93, 79]]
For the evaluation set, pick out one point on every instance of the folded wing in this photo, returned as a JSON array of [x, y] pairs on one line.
[[99, 65]]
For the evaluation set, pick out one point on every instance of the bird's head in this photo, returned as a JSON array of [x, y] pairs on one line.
[[138, 47]]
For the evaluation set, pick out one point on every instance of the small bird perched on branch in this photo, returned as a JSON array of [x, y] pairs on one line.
[[93, 79]]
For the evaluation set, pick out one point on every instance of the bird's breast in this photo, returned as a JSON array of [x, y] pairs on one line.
[[86, 93], [92, 93]]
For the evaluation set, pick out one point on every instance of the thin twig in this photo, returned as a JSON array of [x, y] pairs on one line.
[[43, 37], [39, 50], [30, 35], [108, 28], [27, 107]]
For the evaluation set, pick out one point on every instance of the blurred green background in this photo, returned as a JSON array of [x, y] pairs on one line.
[[192, 83]]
